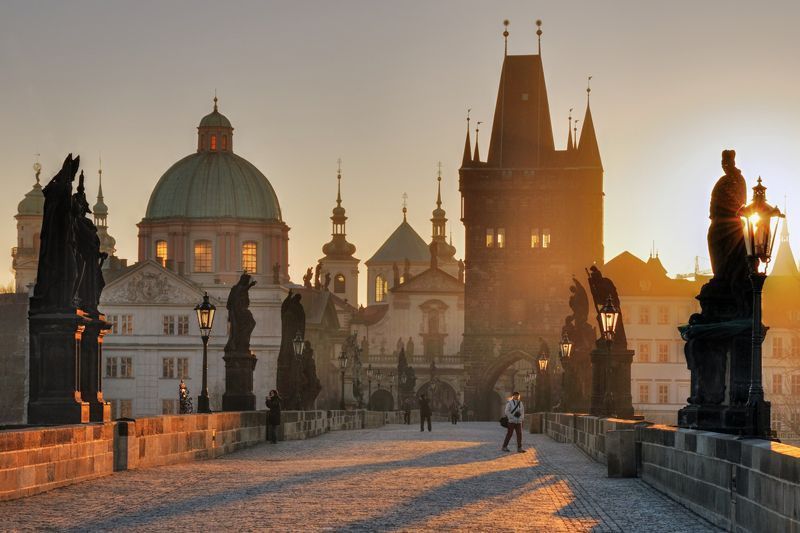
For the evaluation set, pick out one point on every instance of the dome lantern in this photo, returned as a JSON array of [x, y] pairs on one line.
[[215, 133]]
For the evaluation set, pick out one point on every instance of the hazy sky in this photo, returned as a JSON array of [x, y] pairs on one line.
[[385, 86]]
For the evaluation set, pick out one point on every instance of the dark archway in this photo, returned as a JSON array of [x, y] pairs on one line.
[[489, 401], [441, 396], [381, 400]]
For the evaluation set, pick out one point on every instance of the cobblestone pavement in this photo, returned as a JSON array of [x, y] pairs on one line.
[[389, 479]]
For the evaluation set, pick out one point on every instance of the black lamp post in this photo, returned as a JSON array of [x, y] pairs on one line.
[[370, 373], [760, 223], [565, 351], [609, 315], [205, 319], [342, 369], [297, 345], [544, 386]]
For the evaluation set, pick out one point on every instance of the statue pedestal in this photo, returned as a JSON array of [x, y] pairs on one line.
[[752, 421], [239, 367], [55, 369], [611, 382], [91, 369]]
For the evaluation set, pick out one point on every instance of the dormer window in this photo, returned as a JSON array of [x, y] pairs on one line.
[[213, 142]]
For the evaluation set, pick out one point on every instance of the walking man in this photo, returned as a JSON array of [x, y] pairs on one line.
[[424, 413], [515, 412], [273, 416]]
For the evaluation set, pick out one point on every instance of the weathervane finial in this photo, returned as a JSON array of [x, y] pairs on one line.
[[405, 205], [539, 34], [506, 22]]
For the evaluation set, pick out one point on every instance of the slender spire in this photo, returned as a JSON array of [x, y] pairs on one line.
[[589, 152], [215, 99], [338, 247], [570, 146], [467, 157], [539, 34], [505, 37], [439, 189], [339, 183], [405, 205], [100, 180], [575, 132], [588, 89], [477, 156]]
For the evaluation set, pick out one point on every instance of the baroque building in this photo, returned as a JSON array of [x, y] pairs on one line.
[[25, 255], [533, 217]]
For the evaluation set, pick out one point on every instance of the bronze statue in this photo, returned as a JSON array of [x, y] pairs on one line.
[[311, 385], [89, 260], [293, 321], [601, 288], [317, 273], [241, 319], [307, 278], [57, 270]]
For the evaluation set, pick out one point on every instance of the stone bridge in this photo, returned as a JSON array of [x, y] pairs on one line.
[[393, 477]]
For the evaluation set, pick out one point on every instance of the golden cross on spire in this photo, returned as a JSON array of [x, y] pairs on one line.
[[439, 170]]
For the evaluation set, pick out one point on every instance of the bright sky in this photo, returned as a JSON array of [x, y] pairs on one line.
[[385, 86]]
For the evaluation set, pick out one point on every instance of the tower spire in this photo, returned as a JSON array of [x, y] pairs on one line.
[[570, 146], [505, 37], [575, 132], [466, 159], [215, 99], [439, 189], [477, 156], [539, 34], [339, 183], [405, 205], [100, 180]]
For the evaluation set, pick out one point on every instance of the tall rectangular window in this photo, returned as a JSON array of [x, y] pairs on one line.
[[249, 257], [644, 314], [546, 238], [777, 383], [126, 325], [490, 237], [114, 319], [202, 256], [501, 237], [644, 352], [535, 242], [183, 368], [111, 367], [644, 393], [663, 352], [126, 367], [663, 393], [169, 325], [381, 288], [213, 142], [183, 325], [796, 385], [161, 252], [663, 314], [168, 368], [777, 347]]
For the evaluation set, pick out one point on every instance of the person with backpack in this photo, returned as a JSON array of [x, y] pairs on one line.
[[514, 413]]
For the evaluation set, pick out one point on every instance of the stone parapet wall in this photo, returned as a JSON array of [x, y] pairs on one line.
[[744, 485], [35, 460]]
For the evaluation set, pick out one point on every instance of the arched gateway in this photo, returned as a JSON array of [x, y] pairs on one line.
[[487, 403]]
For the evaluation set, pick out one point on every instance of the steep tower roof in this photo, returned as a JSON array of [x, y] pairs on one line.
[[785, 264], [522, 134], [588, 151], [466, 159], [404, 243], [100, 211]]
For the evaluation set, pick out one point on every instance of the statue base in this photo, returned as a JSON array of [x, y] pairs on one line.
[[744, 420], [55, 354], [239, 367], [611, 383], [91, 367]]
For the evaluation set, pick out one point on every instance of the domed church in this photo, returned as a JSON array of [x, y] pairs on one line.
[[213, 214]]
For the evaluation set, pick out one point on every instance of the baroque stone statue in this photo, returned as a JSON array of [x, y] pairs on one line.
[[317, 274], [89, 259], [311, 385], [241, 319], [307, 278], [601, 288], [293, 321]]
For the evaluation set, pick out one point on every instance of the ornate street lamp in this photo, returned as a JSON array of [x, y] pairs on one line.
[[205, 319], [760, 224], [297, 345], [608, 319], [565, 347], [543, 361], [370, 373], [342, 369]]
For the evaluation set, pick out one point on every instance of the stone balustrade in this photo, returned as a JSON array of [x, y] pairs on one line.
[[34, 460], [738, 484]]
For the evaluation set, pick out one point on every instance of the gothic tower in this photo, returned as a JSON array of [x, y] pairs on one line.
[[533, 218], [339, 261]]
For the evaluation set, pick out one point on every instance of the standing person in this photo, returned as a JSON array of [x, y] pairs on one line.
[[407, 411], [273, 416], [424, 413], [515, 412], [454, 410]]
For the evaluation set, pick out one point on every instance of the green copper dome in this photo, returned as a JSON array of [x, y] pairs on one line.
[[213, 185], [33, 203], [215, 119]]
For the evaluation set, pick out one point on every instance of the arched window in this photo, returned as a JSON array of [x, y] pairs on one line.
[[202, 256], [381, 288], [162, 252], [213, 142], [339, 284], [433, 322], [250, 256], [224, 142]]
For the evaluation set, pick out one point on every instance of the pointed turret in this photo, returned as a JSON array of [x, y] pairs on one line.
[[100, 212], [570, 145], [588, 151], [441, 251], [338, 247], [784, 263], [477, 157], [466, 159]]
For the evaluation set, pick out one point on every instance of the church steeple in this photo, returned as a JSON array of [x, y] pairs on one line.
[[588, 151], [100, 213], [570, 145], [338, 247], [439, 247], [477, 157], [466, 159]]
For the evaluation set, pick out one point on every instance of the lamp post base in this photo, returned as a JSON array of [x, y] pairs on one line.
[[203, 405]]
